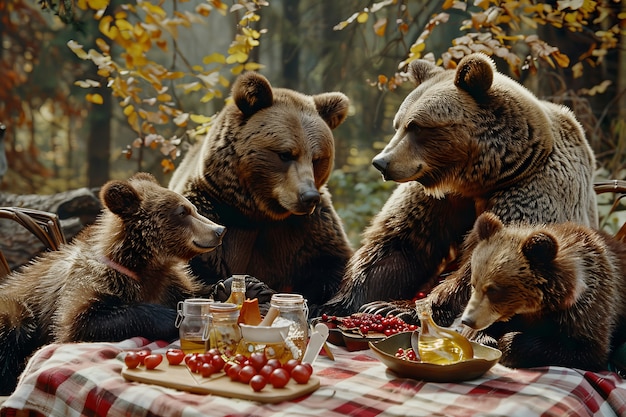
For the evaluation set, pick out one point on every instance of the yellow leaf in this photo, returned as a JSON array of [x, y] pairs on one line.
[[237, 57], [164, 97], [447, 4], [199, 119], [128, 110], [125, 27], [152, 8], [561, 59], [189, 87], [98, 4], [181, 119], [380, 26], [95, 98], [252, 66], [87, 83], [104, 47], [577, 70], [237, 69], [77, 49], [106, 29], [362, 17], [207, 97], [214, 57]]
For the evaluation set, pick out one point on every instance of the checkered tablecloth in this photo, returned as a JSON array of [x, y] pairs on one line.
[[84, 379]]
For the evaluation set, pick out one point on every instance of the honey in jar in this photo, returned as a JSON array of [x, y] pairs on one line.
[[192, 321], [440, 345]]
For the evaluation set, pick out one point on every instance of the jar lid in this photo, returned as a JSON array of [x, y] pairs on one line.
[[223, 307], [195, 306], [284, 299]]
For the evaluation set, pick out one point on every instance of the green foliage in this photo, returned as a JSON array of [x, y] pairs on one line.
[[357, 197]]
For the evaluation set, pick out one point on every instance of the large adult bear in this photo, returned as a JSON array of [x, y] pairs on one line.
[[262, 172], [467, 141]]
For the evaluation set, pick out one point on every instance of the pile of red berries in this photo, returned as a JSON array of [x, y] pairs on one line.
[[366, 323], [407, 354], [256, 370]]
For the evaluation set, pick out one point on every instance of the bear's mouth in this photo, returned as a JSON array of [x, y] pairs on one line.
[[206, 248]]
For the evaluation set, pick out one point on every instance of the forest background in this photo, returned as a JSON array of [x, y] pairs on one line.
[[97, 89]]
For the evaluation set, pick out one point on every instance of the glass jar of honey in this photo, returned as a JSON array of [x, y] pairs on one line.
[[292, 311], [192, 321]]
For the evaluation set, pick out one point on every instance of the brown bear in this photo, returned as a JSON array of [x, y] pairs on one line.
[[261, 171], [560, 288], [119, 278], [467, 140]]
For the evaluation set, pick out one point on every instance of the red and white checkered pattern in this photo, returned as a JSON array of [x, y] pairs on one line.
[[84, 379]]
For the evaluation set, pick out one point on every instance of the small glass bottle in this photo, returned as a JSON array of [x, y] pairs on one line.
[[294, 311], [440, 345], [192, 321], [224, 333], [237, 290]]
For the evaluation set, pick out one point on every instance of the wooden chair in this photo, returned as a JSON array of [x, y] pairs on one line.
[[617, 187], [44, 225]]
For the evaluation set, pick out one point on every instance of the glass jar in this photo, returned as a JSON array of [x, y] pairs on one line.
[[192, 321], [224, 333], [292, 310]]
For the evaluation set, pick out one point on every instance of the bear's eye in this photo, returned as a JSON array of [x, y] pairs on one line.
[[182, 211], [286, 156], [495, 293], [413, 127]]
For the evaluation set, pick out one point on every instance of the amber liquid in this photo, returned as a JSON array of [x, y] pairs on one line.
[[236, 297], [193, 346], [440, 350]]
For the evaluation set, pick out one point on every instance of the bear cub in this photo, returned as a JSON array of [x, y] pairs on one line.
[[560, 288], [119, 278]]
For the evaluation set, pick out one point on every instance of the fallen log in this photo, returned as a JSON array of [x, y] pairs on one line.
[[75, 209]]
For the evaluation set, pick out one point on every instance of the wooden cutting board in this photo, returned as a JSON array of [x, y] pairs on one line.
[[179, 377]]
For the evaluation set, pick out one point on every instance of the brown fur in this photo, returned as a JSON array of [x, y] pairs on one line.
[[262, 172], [466, 141], [74, 294], [562, 287]]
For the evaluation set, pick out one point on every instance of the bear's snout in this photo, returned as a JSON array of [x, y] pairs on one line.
[[310, 199], [381, 164], [468, 322]]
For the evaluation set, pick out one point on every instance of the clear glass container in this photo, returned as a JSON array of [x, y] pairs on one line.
[[293, 310], [192, 321], [441, 345], [237, 290], [224, 332]]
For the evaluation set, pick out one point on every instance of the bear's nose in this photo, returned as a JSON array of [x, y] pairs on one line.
[[380, 164], [310, 197], [468, 322], [219, 231]]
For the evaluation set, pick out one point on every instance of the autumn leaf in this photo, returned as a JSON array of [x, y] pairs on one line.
[[95, 98], [77, 49], [380, 26]]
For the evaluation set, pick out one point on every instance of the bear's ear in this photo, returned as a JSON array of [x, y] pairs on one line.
[[486, 225], [332, 107], [252, 92], [420, 70], [540, 248], [120, 197], [475, 74], [144, 176]]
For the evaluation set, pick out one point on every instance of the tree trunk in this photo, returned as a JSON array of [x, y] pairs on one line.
[[99, 140]]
